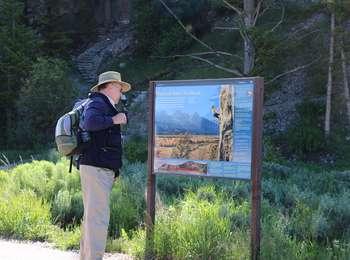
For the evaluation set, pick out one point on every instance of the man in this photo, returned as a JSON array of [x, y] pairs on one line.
[[100, 162]]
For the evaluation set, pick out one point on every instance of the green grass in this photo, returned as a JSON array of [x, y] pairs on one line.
[[41, 200], [24, 216], [11, 156], [305, 212]]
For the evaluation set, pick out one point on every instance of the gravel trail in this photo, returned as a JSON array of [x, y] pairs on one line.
[[26, 250]]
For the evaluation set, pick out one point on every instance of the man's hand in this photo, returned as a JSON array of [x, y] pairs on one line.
[[119, 119]]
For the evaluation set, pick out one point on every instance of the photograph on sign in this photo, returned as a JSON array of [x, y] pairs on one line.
[[204, 128]]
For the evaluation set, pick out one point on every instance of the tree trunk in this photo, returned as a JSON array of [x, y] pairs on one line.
[[330, 78], [249, 52], [345, 81]]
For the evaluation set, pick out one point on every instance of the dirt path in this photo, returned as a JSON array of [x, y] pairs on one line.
[[24, 250]]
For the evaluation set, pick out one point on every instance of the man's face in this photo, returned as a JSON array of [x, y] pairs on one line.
[[115, 91]]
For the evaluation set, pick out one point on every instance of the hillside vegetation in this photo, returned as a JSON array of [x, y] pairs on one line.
[[306, 170], [305, 212]]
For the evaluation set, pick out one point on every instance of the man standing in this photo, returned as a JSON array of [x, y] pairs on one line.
[[101, 161]]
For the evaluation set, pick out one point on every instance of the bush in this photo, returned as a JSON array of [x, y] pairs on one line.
[[19, 46], [307, 136], [135, 149], [157, 31], [127, 201], [133, 245], [46, 95], [69, 239], [67, 208], [173, 39], [305, 212], [24, 216], [332, 218], [53, 183], [197, 228]]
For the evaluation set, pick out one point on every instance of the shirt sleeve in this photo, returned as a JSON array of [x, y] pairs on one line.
[[95, 118]]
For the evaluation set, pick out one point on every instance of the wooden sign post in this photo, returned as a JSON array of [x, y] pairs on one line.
[[225, 117]]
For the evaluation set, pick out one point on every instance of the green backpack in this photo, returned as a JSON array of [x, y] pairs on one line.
[[68, 131]]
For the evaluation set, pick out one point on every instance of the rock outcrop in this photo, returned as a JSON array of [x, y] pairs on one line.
[[107, 14], [89, 62], [226, 124]]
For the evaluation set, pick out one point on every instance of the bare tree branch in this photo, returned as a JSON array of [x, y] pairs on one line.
[[257, 11], [295, 37], [226, 28], [264, 11], [201, 54], [239, 12], [184, 27], [187, 31], [233, 71], [301, 37], [241, 23], [292, 71], [281, 20]]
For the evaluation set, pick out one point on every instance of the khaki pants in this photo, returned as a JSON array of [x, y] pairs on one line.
[[96, 184]]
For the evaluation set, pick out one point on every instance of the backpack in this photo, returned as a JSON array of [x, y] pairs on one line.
[[69, 133]]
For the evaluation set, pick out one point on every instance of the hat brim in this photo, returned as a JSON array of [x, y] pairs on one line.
[[125, 86]]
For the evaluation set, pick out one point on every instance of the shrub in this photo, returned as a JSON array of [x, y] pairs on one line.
[[307, 136], [65, 239], [67, 208], [135, 149], [19, 46], [133, 245], [127, 201], [173, 39], [197, 228], [46, 95], [332, 218], [24, 216], [124, 211], [34, 176]]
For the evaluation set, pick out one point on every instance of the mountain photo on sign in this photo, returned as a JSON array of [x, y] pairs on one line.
[[193, 124]]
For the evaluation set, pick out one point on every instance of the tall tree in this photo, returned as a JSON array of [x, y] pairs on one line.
[[330, 74], [343, 11], [18, 48], [345, 80], [249, 22], [248, 13]]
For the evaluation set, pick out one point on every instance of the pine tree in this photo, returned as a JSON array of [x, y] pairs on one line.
[[18, 48]]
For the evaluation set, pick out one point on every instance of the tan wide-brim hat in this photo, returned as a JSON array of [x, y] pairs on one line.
[[111, 76]]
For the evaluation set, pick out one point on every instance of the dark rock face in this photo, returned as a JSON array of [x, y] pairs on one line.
[[280, 107], [107, 14], [103, 24], [226, 123]]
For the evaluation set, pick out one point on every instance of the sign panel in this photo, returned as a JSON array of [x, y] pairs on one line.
[[204, 127]]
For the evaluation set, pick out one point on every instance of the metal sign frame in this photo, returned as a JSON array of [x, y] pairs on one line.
[[255, 163]]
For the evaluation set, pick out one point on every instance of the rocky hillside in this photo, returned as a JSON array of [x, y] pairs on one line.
[[294, 57]]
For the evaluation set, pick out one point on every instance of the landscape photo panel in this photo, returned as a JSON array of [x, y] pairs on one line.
[[203, 128]]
